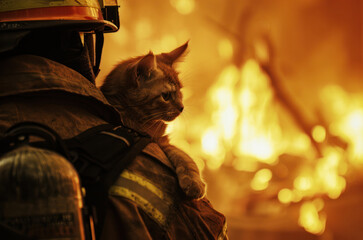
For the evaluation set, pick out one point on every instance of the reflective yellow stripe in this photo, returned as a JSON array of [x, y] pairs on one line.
[[147, 184], [11, 5], [151, 199], [140, 201]]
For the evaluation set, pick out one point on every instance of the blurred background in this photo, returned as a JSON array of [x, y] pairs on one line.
[[273, 94]]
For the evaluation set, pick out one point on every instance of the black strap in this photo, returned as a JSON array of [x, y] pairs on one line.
[[97, 193], [118, 146], [99, 47]]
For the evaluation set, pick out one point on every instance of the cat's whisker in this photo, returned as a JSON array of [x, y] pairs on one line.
[[156, 115], [159, 126], [153, 117], [186, 114], [146, 125]]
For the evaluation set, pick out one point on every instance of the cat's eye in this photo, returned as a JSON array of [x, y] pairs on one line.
[[166, 96]]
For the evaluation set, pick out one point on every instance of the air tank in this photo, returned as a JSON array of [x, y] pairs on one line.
[[40, 194]]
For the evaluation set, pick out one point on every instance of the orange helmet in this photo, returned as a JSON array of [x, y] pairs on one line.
[[85, 15]]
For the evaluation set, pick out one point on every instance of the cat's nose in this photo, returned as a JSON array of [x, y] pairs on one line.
[[181, 108]]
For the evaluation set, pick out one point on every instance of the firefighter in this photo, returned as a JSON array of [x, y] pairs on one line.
[[50, 53]]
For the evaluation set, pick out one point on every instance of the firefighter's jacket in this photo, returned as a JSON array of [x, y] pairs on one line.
[[146, 201]]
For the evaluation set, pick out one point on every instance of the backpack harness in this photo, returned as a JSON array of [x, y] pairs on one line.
[[99, 155]]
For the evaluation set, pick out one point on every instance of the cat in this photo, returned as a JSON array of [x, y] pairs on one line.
[[146, 92]]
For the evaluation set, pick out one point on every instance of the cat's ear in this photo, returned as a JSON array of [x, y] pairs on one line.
[[175, 55], [146, 65]]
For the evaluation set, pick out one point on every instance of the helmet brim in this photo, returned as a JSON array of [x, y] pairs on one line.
[[80, 25]]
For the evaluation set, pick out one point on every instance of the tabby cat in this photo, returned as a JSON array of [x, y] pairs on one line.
[[146, 92]]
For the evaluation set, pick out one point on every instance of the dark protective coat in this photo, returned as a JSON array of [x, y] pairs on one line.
[[146, 201]]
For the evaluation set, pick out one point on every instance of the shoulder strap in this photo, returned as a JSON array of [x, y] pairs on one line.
[[100, 154]]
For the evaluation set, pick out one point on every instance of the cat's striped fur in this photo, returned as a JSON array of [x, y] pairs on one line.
[[146, 91]]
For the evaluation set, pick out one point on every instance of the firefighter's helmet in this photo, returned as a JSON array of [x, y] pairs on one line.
[[85, 15], [18, 19]]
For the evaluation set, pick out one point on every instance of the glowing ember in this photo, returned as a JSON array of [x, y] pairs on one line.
[[261, 179], [304, 183], [310, 218], [239, 116], [319, 133], [285, 195]]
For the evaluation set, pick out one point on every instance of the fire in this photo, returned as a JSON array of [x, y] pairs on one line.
[[327, 172], [211, 147], [261, 179], [347, 112], [304, 183], [319, 133], [241, 116], [285, 195], [244, 130], [310, 218]]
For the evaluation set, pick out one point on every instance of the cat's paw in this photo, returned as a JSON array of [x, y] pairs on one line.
[[192, 185]]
